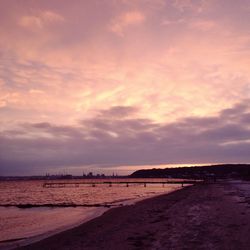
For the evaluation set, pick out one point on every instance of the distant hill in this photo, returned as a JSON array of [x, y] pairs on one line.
[[218, 171]]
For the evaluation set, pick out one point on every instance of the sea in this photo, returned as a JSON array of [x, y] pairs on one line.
[[29, 211]]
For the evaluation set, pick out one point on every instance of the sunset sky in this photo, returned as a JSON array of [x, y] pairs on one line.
[[108, 85]]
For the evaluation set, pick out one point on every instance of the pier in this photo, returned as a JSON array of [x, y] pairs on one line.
[[78, 184]]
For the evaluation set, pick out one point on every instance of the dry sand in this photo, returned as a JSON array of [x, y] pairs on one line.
[[208, 216]]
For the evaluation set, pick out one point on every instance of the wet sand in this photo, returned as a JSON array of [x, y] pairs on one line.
[[208, 216]]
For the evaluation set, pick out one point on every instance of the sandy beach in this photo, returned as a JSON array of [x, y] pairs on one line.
[[208, 216]]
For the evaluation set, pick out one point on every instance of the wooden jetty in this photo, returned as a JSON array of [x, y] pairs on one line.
[[61, 184]]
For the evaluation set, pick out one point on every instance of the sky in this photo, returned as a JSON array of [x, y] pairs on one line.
[[119, 85]]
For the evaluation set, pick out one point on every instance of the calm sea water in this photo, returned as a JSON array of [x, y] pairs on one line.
[[18, 223]]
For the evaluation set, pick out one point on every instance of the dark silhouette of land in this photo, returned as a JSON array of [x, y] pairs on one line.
[[241, 171]]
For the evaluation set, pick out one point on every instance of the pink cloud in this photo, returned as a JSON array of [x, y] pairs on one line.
[[123, 21], [40, 20], [193, 5], [78, 65], [203, 25]]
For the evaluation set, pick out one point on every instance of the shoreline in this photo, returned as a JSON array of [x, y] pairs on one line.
[[130, 203], [97, 212], [206, 216], [10, 244]]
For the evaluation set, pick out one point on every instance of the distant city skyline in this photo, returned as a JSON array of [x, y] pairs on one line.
[[116, 85]]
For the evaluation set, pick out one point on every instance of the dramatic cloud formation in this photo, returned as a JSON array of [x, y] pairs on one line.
[[113, 138], [119, 82]]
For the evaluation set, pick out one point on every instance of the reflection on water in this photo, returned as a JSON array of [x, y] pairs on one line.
[[20, 223]]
